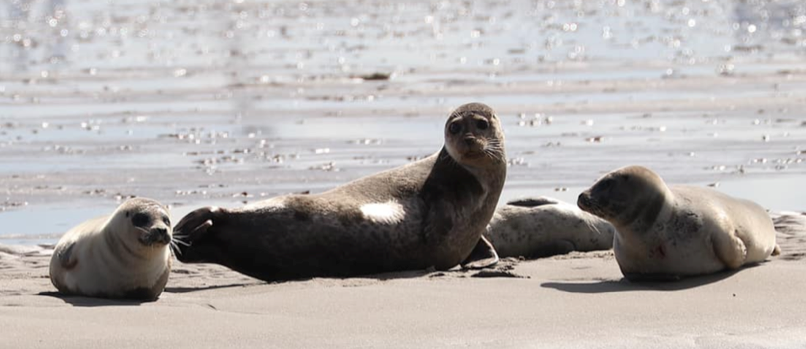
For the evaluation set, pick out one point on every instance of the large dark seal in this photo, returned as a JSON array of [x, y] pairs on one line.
[[668, 232], [430, 213], [123, 255]]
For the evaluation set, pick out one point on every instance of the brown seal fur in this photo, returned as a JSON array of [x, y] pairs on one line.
[[430, 213], [668, 232], [123, 255]]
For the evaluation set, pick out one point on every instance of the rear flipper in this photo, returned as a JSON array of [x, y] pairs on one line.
[[730, 250], [483, 256], [66, 261], [65, 255]]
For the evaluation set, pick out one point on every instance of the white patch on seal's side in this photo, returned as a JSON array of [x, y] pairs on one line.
[[389, 212], [273, 204]]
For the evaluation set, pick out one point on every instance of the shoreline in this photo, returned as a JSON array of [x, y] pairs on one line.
[[776, 193]]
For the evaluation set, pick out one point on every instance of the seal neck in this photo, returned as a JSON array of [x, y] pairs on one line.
[[489, 176], [644, 215]]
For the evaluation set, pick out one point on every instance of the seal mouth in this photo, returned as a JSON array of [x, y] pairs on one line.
[[585, 203], [155, 236], [472, 154]]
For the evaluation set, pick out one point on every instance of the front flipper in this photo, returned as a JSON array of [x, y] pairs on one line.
[[483, 256], [193, 227], [65, 255], [195, 224]]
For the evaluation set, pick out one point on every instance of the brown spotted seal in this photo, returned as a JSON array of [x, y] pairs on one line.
[[429, 213], [123, 255], [543, 226], [670, 232]]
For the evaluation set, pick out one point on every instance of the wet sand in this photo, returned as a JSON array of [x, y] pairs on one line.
[[230, 102]]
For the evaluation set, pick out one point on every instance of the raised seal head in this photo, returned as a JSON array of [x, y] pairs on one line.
[[625, 195], [473, 136]]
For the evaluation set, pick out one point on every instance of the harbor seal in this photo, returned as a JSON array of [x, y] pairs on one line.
[[429, 213], [123, 255], [543, 227], [664, 233]]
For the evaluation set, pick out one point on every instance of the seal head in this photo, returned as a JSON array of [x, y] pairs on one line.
[[147, 222], [614, 196], [473, 136]]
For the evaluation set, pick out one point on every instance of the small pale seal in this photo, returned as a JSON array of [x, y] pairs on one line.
[[123, 255], [429, 213], [664, 233], [543, 226]]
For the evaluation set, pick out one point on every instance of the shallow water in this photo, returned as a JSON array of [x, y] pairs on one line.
[[198, 102]]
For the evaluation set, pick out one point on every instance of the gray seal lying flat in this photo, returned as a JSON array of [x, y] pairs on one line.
[[123, 255], [669, 232], [543, 226], [429, 213]]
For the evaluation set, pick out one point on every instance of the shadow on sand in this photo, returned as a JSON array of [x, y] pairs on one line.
[[502, 270], [180, 289], [624, 285], [80, 301]]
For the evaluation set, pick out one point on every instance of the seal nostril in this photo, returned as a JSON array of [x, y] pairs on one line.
[[159, 234], [583, 201], [470, 140]]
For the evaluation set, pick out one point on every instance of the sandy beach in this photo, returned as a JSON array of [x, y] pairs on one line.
[[230, 102], [578, 300]]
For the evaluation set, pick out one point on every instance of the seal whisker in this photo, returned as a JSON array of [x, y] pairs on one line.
[[141, 229], [494, 153], [592, 226], [180, 242], [175, 249]]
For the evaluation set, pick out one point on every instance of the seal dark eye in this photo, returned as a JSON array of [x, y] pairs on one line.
[[482, 124], [166, 220], [140, 220], [454, 128]]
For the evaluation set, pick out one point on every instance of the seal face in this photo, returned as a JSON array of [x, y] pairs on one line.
[[123, 255], [543, 226], [667, 232], [429, 213]]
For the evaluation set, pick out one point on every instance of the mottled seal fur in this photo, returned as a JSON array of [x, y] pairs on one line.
[[123, 255], [543, 226], [670, 232], [429, 213]]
